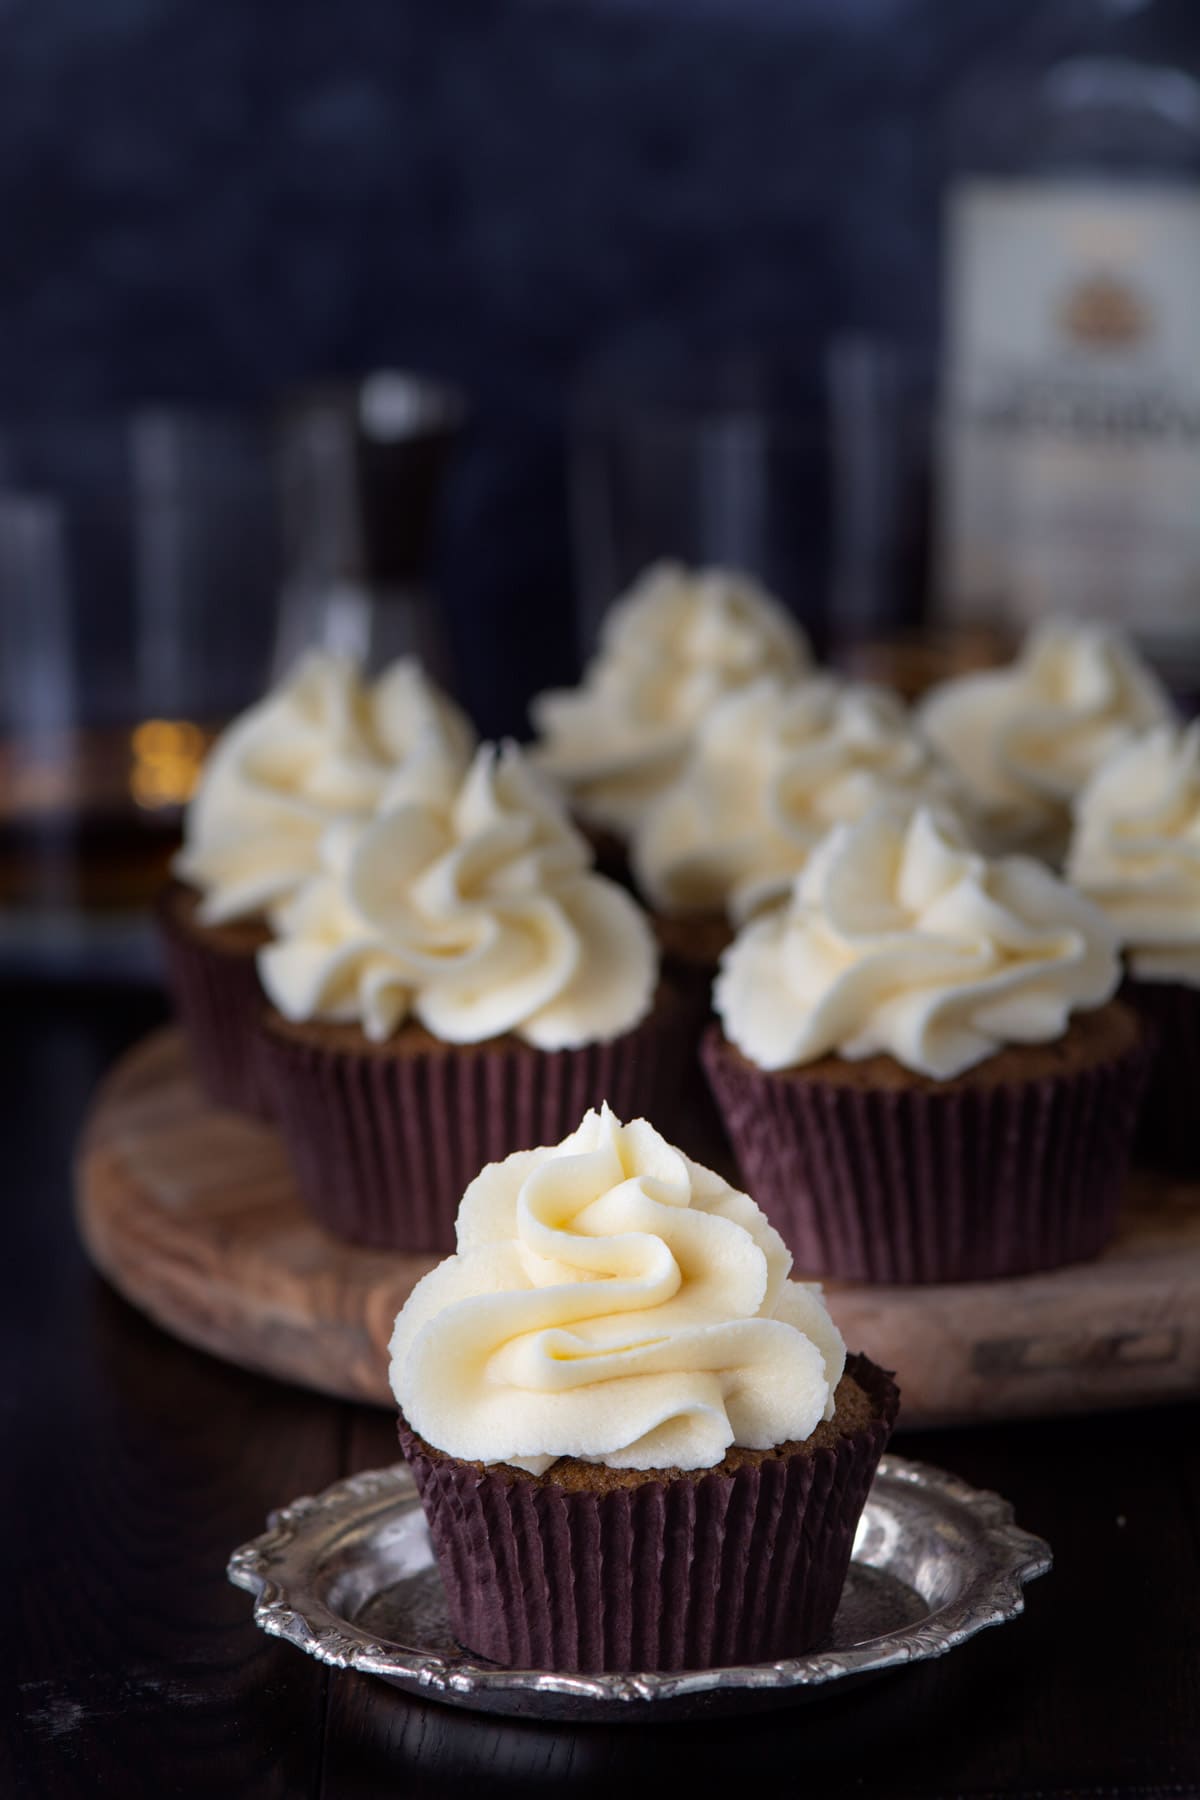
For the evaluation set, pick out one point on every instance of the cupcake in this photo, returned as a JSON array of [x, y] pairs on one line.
[[669, 649], [1135, 853], [456, 984], [771, 769], [320, 747], [638, 1444], [1024, 739], [920, 1063]]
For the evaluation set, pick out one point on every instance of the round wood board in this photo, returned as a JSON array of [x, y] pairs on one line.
[[191, 1213]]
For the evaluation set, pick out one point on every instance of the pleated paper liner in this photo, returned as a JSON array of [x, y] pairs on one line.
[[690, 949], [675, 1572], [1168, 1135], [903, 1184], [218, 999], [384, 1139]]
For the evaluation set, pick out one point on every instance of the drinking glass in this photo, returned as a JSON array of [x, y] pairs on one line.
[[810, 475], [139, 575]]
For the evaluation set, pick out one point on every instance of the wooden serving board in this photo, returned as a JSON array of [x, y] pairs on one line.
[[192, 1215]]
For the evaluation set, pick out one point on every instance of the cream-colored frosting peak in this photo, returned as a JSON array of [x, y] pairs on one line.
[[1136, 851], [772, 768], [1025, 738], [669, 650], [322, 746], [900, 939], [612, 1300], [478, 913]]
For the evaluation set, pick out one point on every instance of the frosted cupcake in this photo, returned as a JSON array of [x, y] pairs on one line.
[[639, 1445], [457, 983], [321, 747], [771, 769], [1024, 739], [922, 1069], [669, 649], [1136, 853]]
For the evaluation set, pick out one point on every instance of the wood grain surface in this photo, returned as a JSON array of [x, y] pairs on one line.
[[192, 1214]]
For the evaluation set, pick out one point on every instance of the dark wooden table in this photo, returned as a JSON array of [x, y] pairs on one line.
[[131, 1466]]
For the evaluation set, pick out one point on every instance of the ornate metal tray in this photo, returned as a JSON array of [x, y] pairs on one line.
[[349, 1577]]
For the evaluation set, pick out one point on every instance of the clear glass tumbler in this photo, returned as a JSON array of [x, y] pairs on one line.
[[139, 575], [811, 476]]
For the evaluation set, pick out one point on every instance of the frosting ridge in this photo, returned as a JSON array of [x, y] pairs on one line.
[[477, 913], [321, 746], [772, 768], [1025, 738], [614, 1301], [669, 649], [1136, 850], [900, 939]]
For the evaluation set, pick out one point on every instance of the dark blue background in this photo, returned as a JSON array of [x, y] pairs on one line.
[[210, 198]]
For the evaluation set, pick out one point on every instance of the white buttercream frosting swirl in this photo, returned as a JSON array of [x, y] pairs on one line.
[[900, 939], [614, 1301], [669, 649], [476, 912], [1136, 851], [772, 768], [1026, 737], [323, 745]]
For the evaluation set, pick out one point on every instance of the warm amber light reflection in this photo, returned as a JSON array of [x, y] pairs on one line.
[[167, 754]]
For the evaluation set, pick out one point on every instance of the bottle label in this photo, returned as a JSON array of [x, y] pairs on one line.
[[1070, 428]]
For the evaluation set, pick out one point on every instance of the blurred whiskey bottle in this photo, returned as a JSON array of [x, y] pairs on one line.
[[1070, 392]]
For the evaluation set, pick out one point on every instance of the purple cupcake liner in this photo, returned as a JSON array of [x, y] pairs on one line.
[[383, 1146], [909, 1185], [219, 1002], [1168, 1135], [696, 1127], [681, 1573]]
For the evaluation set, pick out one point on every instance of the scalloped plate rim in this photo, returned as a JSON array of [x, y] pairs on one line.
[[993, 1596]]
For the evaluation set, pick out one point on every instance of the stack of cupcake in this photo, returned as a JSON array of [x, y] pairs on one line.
[[670, 649], [713, 754], [639, 1443], [715, 757], [918, 1053], [396, 946]]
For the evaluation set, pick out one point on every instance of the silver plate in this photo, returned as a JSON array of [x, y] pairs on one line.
[[349, 1577]]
